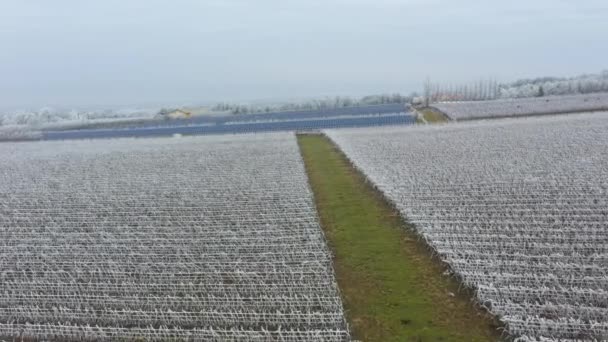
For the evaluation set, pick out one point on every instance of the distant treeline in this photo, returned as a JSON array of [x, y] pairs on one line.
[[48, 115], [542, 86], [314, 104], [583, 84]]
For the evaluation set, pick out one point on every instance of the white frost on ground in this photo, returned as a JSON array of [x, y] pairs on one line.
[[198, 238], [524, 106]]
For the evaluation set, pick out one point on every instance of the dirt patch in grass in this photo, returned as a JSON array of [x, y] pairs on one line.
[[393, 289]]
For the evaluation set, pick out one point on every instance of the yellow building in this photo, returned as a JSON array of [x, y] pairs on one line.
[[178, 114]]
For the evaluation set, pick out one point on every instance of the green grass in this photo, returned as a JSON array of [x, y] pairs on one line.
[[392, 289], [432, 115]]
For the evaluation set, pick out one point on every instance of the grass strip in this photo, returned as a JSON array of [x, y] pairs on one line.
[[393, 290], [432, 115]]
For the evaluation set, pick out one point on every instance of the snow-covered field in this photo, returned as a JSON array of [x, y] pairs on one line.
[[524, 106], [517, 207], [200, 238]]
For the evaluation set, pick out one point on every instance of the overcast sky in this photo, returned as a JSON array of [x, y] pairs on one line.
[[136, 52]]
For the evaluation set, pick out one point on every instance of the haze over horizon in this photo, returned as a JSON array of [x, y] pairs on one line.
[[93, 53]]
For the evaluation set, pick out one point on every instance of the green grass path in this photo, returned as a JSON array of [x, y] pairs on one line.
[[392, 289], [432, 115]]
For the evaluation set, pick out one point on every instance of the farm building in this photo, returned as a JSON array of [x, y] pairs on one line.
[[175, 114]]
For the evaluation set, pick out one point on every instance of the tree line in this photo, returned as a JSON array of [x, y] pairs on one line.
[[314, 104], [491, 89]]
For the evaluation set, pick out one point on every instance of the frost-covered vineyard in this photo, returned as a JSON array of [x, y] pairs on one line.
[[523, 106], [517, 207], [204, 238]]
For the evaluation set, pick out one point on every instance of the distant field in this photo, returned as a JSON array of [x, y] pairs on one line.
[[525, 106], [203, 116], [362, 116], [238, 127], [359, 116], [517, 207]]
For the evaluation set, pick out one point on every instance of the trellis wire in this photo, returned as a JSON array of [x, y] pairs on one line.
[[198, 238]]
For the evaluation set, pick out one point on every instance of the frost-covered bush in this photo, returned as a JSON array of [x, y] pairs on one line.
[[50, 116], [523, 106], [517, 207], [583, 84], [198, 238], [18, 133]]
